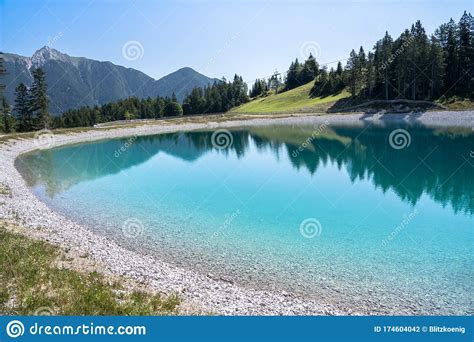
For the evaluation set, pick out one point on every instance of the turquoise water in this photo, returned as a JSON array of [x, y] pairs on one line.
[[328, 212]]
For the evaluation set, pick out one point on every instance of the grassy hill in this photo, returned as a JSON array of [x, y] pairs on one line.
[[292, 101]]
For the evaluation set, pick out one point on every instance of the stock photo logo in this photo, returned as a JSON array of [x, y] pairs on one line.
[[15, 329], [310, 48], [44, 139], [133, 50], [132, 228], [399, 139], [222, 139], [310, 228], [44, 311]]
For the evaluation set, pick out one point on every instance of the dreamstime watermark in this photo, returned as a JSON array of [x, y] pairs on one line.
[[399, 139], [310, 48], [227, 223], [320, 129], [310, 227], [226, 45], [394, 233], [132, 228], [125, 146], [44, 139], [52, 40], [132, 50], [398, 52], [221, 139], [16, 328], [44, 311]]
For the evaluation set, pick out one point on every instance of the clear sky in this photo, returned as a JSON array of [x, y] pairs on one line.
[[217, 38]]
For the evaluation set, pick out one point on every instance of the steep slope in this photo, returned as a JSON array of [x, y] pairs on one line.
[[296, 100], [78, 81]]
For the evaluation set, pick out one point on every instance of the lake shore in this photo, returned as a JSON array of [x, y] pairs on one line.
[[200, 291]]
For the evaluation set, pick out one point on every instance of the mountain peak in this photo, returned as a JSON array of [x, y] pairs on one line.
[[187, 69], [46, 53], [79, 81]]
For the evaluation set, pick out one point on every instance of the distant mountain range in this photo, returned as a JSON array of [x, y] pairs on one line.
[[77, 81]]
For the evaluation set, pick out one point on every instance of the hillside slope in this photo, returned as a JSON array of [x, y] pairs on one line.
[[292, 101]]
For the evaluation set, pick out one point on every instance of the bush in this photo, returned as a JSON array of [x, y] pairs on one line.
[[173, 109]]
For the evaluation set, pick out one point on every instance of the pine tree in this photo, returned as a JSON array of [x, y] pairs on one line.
[[173, 97], [258, 88], [420, 61], [451, 51], [360, 69], [437, 68], [369, 76], [22, 108], [8, 121], [3, 72], [321, 85], [158, 107], [466, 54], [339, 69], [352, 65], [293, 75], [309, 70], [38, 100], [402, 65]]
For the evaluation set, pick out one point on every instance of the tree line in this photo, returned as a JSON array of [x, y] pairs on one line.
[[216, 98], [126, 109], [413, 66]]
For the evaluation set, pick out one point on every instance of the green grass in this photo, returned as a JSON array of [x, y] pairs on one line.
[[31, 280], [292, 101]]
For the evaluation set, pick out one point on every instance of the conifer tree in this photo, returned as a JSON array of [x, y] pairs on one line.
[[38, 100], [22, 108], [451, 52], [466, 54], [352, 65]]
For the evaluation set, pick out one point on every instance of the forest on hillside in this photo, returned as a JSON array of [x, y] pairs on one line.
[[413, 66]]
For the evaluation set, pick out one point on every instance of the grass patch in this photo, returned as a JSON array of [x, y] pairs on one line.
[[457, 103], [30, 280], [295, 101], [5, 190]]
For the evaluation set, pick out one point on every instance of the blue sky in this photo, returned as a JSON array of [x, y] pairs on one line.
[[217, 38]]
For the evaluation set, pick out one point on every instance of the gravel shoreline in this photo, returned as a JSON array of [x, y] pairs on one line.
[[197, 290]]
